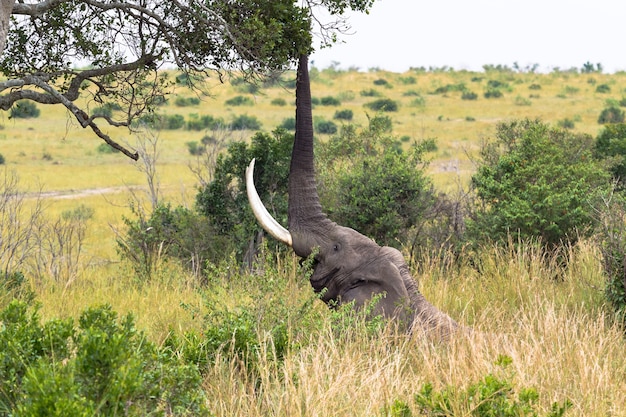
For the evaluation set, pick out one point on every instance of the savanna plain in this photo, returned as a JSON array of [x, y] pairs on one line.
[[553, 337]]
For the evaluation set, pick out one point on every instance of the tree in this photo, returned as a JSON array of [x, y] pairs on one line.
[[122, 44], [535, 181], [611, 143]]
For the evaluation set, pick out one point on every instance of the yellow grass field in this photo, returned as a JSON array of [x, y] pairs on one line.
[[558, 333]]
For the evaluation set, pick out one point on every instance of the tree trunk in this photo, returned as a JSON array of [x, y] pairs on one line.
[[6, 8]]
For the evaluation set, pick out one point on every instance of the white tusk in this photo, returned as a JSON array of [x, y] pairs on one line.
[[260, 212]]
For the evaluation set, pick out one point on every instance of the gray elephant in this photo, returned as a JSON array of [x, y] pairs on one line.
[[348, 266]]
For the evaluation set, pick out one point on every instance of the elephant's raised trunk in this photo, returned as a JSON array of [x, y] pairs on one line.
[[307, 222]]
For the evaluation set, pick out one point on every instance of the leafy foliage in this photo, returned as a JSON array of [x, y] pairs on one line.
[[245, 122], [383, 104], [492, 396], [104, 366], [224, 200], [179, 233], [611, 114], [535, 181], [24, 109], [611, 143], [368, 183]]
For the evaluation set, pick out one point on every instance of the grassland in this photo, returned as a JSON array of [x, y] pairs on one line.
[[557, 332]]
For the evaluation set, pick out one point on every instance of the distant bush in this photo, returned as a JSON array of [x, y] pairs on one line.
[[186, 101], [289, 123], [245, 122], [370, 93], [522, 101], [410, 93], [106, 149], [204, 122], [611, 114], [106, 109], [611, 144], [407, 80], [449, 88], [173, 122], [239, 101], [325, 127], [383, 104], [330, 101], [382, 82], [566, 123], [497, 84], [469, 95], [278, 102], [345, 114], [2, 160], [315, 101], [534, 87], [24, 109], [603, 88], [493, 93]]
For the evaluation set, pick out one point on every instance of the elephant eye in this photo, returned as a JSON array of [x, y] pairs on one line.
[[336, 247]]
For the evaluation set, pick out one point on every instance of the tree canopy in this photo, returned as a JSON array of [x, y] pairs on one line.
[[55, 51]]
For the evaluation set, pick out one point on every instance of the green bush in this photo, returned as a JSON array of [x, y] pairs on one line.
[[368, 183], [105, 148], [469, 95], [611, 144], [383, 104], [245, 122], [186, 101], [24, 109], [330, 101], [239, 101], [177, 233], [288, 124], [2, 160], [493, 93], [103, 366], [611, 114], [534, 87], [370, 93], [279, 102], [345, 114], [603, 88], [204, 122], [224, 201], [325, 127], [491, 396], [173, 122], [535, 182]]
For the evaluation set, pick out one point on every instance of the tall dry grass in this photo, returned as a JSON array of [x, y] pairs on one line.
[[557, 333]]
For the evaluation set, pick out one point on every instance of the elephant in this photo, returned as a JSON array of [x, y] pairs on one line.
[[347, 266]]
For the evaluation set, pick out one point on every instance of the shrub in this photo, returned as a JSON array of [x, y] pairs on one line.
[[383, 104], [330, 101], [603, 88], [102, 366], [611, 114], [245, 122], [370, 93], [566, 123], [2, 160], [469, 95], [278, 102], [195, 148], [522, 101], [224, 201], [345, 114], [288, 123], [106, 109], [178, 233], [382, 82], [186, 101], [173, 122], [493, 395], [204, 122], [24, 109], [239, 101], [534, 87], [536, 182], [611, 144], [408, 80], [325, 127], [493, 93]]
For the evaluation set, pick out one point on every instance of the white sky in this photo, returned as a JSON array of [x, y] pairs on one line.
[[467, 34]]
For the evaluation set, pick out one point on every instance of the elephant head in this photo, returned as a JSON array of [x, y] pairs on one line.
[[348, 266]]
